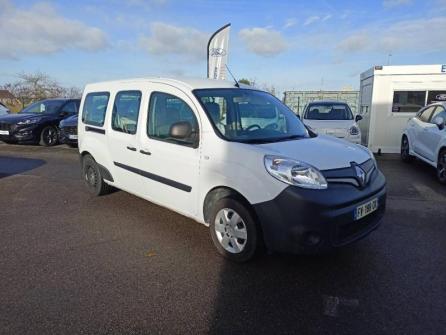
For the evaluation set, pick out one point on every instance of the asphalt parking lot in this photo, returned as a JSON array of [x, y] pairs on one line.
[[71, 263]]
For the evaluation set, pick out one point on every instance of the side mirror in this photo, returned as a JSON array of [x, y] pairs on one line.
[[181, 130], [358, 118], [63, 113], [439, 122]]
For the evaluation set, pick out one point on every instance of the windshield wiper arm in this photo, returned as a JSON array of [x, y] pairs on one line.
[[272, 139]]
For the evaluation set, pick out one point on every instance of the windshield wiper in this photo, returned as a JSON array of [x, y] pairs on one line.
[[272, 139]]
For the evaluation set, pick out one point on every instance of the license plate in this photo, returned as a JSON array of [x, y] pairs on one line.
[[4, 132], [366, 209], [72, 137]]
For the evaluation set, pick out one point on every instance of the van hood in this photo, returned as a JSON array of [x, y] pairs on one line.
[[323, 152], [70, 121]]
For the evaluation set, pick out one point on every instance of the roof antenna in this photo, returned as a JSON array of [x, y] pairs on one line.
[[236, 82]]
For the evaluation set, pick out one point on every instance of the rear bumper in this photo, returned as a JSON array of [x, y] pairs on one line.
[[303, 221]]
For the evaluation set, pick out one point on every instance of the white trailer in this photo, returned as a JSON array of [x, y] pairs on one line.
[[390, 96]]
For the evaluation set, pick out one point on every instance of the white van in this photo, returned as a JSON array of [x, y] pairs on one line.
[[233, 158]]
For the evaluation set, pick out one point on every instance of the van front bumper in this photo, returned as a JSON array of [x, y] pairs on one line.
[[303, 221]]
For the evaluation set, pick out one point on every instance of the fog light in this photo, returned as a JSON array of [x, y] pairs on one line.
[[312, 239]]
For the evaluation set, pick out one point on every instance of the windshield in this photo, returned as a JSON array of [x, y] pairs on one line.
[[328, 112], [250, 116], [44, 107]]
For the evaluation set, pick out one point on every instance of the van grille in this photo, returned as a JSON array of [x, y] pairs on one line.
[[348, 175]]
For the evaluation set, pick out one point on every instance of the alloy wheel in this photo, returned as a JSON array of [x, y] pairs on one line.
[[50, 136]]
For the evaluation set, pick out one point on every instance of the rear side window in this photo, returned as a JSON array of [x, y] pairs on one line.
[[425, 115], [440, 111], [125, 111], [95, 106], [164, 111]]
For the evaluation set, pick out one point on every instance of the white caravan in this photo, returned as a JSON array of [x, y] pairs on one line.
[[233, 158], [390, 96], [425, 138]]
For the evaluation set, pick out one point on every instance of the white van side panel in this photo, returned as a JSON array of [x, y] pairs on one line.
[[233, 165]]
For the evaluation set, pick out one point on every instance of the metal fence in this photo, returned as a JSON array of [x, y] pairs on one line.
[[297, 100]]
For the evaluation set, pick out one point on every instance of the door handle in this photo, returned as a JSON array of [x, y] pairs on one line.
[[131, 148], [145, 152]]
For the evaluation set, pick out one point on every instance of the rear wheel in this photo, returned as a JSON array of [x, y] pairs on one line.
[[233, 230], [405, 155], [93, 178], [49, 136], [441, 167]]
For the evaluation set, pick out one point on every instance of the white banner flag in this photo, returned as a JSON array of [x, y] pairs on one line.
[[218, 53]]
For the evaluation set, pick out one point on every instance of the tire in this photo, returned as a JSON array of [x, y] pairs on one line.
[[441, 166], [405, 155], [224, 231], [49, 136], [92, 177]]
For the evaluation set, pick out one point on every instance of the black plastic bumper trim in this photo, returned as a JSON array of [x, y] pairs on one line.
[[295, 213], [105, 173]]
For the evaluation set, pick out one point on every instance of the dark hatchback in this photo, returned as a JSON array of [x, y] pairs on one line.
[[37, 123], [68, 131]]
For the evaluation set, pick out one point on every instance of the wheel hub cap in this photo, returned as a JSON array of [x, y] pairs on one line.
[[230, 230]]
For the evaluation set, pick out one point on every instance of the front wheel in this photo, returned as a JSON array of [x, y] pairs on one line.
[[441, 167], [49, 136], [405, 152], [233, 230]]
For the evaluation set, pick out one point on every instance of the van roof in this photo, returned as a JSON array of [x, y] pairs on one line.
[[186, 83]]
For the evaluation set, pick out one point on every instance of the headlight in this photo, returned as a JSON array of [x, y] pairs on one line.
[[354, 130], [294, 172], [28, 121]]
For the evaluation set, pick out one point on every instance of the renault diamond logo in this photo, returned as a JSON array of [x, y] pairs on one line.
[[360, 174]]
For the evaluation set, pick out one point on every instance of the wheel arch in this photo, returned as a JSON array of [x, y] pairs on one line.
[[220, 192], [440, 149], [406, 135]]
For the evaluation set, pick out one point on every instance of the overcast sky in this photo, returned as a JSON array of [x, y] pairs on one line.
[[289, 44]]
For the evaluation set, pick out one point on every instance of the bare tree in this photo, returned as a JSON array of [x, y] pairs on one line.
[[73, 93], [32, 87]]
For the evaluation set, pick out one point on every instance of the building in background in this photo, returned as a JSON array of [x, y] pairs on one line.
[[390, 96], [297, 100]]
